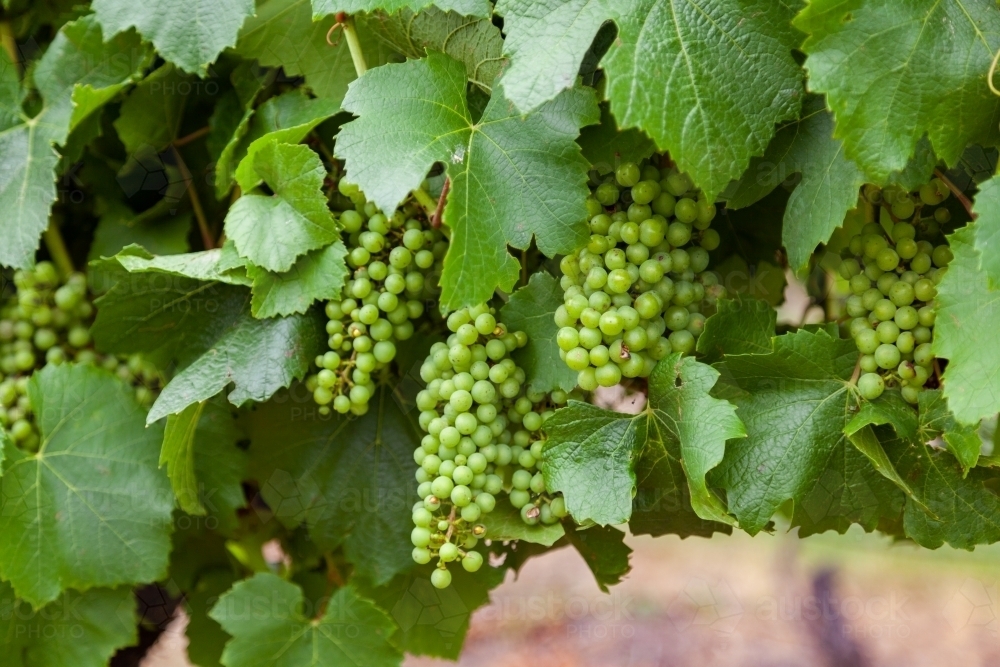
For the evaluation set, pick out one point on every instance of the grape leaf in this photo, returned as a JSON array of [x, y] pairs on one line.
[[893, 72], [531, 309], [739, 326], [350, 631], [605, 552], [606, 146], [349, 480], [546, 41], [694, 76], [152, 112], [78, 59], [204, 466], [189, 33], [794, 403], [987, 229], [283, 34], [593, 455], [965, 507], [119, 227], [432, 621], [919, 169], [273, 230], [936, 421], [503, 189], [257, 356], [206, 265], [90, 496], [323, 8], [10, 93], [317, 276], [206, 638], [504, 523], [79, 629], [475, 41], [968, 314], [829, 185]]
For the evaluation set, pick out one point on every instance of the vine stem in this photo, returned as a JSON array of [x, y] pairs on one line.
[[57, 249], [425, 200], [199, 212], [353, 43], [959, 195], [194, 136], [857, 372]]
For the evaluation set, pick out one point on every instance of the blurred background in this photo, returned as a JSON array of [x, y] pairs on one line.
[[765, 601]]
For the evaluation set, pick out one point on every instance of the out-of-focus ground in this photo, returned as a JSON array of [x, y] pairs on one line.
[[736, 601]]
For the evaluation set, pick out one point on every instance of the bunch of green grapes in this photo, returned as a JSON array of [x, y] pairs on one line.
[[521, 456], [635, 293], [893, 277], [395, 261], [48, 321]]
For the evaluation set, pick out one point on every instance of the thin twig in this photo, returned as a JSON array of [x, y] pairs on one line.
[[194, 136], [857, 372], [57, 249], [426, 201], [436, 218], [206, 235], [353, 43], [959, 195]]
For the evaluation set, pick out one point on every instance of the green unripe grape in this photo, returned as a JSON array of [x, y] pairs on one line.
[[867, 341], [923, 356], [924, 290], [472, 561], [903, 208], [639, 212], [710, 239], [926, 316], [942, 255], [868, 363], [887, 356], [887, 332], [901, 293], [608, 375], [871, 386], [644, 192], [530, 514], [906, 342], [420, 537], [519, 497], [884, 310], [887, 259], [627, 174], [677, 184]]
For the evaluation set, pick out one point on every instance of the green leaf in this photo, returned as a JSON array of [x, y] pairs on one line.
[[918, 170], [432, 621], [257, 356], [503, 189], [531, 309], [696, 76], [177, 454], [606, 146], [206, 638], [546, 42], [273, 230], [475, 41], [119, 227], [79, 629], [504, 524], [936, 421], [965, 509], [188, 33], [317, 276], [206, 265], [203, 463], [90, 496], [605, 552], [283, 34], [739, 326], [597, 457], [795, 402], [349, 480], [350, 631], [868, 444], [323, 8], [893, 72], [987, 229], [78, 59], [968, 314], [151, 114], [10, 93]]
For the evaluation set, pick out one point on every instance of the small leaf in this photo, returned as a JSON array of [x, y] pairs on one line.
[[531, 309], [936, 420], [188, 33], [273, 230], [351, 630], [739, 326], [177, 454], [90, 496], [151, 114], [605, 551], [317, 276]]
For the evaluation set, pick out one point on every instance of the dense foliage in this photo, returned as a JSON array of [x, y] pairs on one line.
[[306, 308]]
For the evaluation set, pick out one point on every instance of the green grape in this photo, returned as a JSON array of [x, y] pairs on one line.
[[871, 386]]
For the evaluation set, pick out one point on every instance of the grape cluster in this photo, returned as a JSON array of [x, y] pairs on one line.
[[482, 441], [48, 322], [893, 269], [395, 261], [635, 293]]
